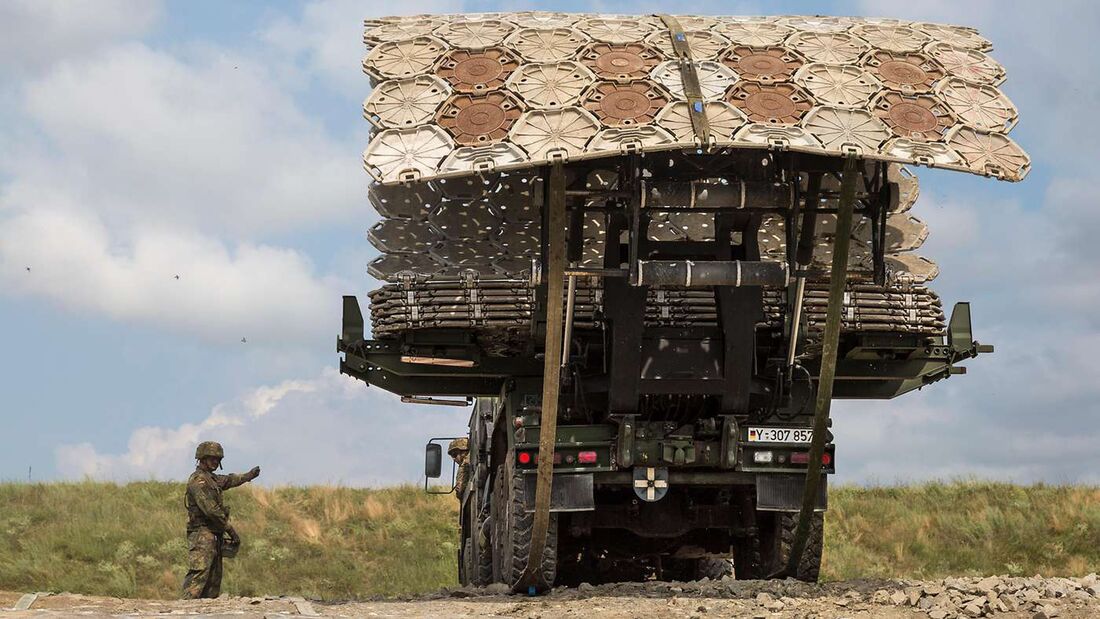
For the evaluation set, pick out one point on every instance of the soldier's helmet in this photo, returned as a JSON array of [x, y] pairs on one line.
[[459, 445], [209, 449]]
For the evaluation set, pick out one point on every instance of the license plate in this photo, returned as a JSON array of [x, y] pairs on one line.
[[800, 436]]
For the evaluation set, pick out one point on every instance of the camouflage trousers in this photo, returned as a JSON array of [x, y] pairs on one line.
[[204, 565]]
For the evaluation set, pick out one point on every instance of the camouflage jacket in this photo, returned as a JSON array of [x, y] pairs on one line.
[[204, 499]]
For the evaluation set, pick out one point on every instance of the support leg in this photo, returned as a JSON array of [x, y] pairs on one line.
[[551, 376], [838, 277]]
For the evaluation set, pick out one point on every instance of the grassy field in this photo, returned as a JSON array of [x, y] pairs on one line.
[[342, 543]]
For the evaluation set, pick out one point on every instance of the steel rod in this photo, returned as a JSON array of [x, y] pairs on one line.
[[570, 299]]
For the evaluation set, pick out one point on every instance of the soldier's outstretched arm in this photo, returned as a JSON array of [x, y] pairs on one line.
[[206, 499], [232, 480]]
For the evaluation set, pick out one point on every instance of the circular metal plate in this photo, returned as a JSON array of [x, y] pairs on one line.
[[398, 155], [412, 101], [704, 44], [551, 85], [390, 266], [474, 34], [911, 267], [918, 117], [957, 36], [480, 71], [989, 153], [397, 235], [544, 19], [755, 33], [399, 31], [978, 105], [397, 59], [404, 202], [459, 220], [546, 45], [546, 134], [837, 84], [909, 73], [624, 104], [714, 78], [777, 104], [476, 120], [762, 64], [633, 138], [617, 31], [969, 64], [816, 23], [519, 239], [483, 159], [846, 129], [620, 62], [892, 38], [831, 47], [722, 118]]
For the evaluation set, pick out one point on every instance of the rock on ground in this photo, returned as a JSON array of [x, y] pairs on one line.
[[949, 598]]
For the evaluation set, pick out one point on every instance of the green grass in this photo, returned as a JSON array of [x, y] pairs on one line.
[[342, 543]]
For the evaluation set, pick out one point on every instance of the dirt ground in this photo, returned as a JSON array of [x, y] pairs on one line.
[[1030, 598]]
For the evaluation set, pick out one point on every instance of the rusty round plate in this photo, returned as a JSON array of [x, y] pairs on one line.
[[776, 104], [909, 73], [913, 116], [632, 103], [477, 71], [620, 62], [477, 120], [762, 64]]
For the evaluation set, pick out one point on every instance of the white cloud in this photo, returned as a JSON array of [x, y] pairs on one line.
[[326, 429], [270, 295], [37, 33], [211, 143], [126, 166], [328, 37]]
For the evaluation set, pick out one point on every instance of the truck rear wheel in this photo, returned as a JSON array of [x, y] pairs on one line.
[[768, 553], [512, 529]]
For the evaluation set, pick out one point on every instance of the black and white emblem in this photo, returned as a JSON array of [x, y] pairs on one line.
[[650, 482]]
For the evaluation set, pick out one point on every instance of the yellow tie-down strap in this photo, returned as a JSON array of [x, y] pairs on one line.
[[690, 79]]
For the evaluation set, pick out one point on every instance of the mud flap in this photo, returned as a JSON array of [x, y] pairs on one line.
[[783, 493], [568, 493]]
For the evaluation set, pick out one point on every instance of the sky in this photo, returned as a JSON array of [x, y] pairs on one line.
[[221, 142]]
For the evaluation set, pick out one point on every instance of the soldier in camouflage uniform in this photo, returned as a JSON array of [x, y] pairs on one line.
[[459, 450], [208, 521]]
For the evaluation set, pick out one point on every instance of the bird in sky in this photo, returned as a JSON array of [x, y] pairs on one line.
[[244, 340], [177, 276]]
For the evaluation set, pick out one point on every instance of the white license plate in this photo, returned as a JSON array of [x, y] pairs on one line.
[[800, 436]]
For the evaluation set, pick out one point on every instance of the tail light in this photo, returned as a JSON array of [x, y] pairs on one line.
[[802, 457], [586, 457], [524, 457]]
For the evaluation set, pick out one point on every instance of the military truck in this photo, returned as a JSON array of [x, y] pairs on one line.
[[649, 251]]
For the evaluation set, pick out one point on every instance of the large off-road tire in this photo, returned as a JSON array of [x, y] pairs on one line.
[[512, 529], [768, 554], [714, 569]]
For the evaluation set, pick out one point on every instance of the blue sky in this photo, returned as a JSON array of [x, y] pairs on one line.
[[221, 142]]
